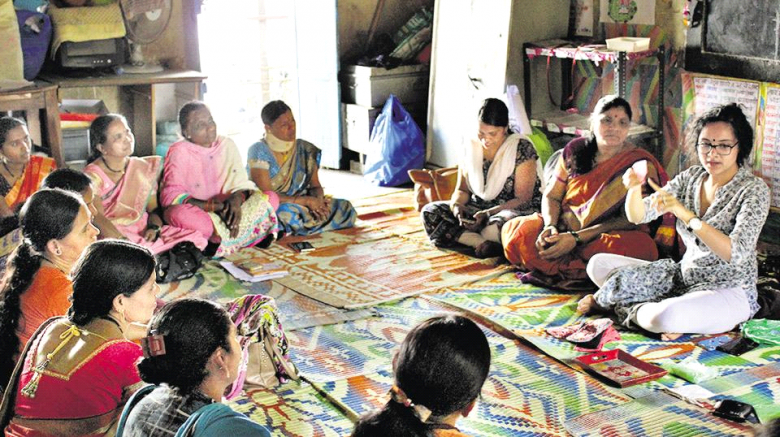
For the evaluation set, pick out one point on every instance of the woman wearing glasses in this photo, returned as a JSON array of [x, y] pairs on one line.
[[720, 208]]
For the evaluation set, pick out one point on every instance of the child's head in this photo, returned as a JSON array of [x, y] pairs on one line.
[[441, 367]]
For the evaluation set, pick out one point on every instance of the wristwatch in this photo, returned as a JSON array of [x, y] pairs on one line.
[[694, 224]]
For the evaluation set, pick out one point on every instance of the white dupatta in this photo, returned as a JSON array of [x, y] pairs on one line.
[[501, 168]]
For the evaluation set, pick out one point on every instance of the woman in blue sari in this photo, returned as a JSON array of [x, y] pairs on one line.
[[289, 166]]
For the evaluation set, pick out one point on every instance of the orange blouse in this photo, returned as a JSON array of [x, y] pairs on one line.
[[48, 296]]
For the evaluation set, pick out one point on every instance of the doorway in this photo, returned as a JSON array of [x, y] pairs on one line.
[[255, 51]]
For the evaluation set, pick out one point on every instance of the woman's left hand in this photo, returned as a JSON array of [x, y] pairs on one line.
[[232, 212], [481, 218], [151, 234], [319, 207], [558, 245]]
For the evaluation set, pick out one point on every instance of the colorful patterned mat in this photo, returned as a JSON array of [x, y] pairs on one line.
[[526, 394], [657, 414], [294, 409], [296, 311], [362, 274], [526, 310], [759, 387], [506, 302], [360, 347]]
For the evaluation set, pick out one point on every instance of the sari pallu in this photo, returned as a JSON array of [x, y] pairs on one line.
[[34, 173], [73, 381], [600, 195], [125, 204], [293, 178], [589, 199]]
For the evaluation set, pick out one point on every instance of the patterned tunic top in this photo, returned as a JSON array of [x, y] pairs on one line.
[[525, 151], [739, 210]]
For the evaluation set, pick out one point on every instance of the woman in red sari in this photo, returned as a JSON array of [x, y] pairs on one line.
[[20, 174], [79, 370], [582, 209]]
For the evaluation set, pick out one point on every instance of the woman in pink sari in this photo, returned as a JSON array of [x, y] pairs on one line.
[[206, 188], [127, 187]]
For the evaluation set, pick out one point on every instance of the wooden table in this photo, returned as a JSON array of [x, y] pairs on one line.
[[142, 120], [41, 97]]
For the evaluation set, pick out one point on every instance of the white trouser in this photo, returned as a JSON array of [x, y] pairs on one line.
[[474, 239], [601, 265], [697, 312]]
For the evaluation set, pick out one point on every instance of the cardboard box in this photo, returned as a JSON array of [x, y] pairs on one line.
[[83, 106], [371, 86], [628, 44]]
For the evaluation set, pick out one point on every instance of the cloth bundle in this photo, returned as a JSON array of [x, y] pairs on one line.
[[265, 362], [590, 336], [86, 24]]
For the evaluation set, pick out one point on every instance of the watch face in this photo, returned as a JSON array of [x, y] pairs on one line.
[[694, 224]]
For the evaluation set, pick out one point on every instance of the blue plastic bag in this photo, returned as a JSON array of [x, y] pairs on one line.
[[396, 146]]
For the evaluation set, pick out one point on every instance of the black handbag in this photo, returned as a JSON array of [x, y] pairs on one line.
[[178, 263]]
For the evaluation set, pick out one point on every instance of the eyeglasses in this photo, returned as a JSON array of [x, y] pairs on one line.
[[720, 149]]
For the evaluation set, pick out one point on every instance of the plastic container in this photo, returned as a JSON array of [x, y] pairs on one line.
[[628, 44], [35, 45]]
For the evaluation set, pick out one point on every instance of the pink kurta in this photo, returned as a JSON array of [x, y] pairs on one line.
[[125, 204], [203, 173]]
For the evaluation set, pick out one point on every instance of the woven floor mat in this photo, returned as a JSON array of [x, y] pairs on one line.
[[365, 274], [526, 394], [657, 414], [294, 409], [517, 307], [359, 347], [296, 311]]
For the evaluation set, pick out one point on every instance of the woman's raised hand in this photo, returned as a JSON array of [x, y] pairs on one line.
[[631, 179], [664, 202]]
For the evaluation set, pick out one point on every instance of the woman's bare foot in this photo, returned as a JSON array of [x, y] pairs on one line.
[[670, 336], [588, 305]]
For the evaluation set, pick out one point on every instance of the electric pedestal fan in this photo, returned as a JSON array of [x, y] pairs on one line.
[[145, 21]]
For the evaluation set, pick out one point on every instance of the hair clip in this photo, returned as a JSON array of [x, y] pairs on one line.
[[398, 395], [153, 345]]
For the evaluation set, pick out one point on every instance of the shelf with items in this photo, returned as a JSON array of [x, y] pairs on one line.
[[568, 121], [139, 90]]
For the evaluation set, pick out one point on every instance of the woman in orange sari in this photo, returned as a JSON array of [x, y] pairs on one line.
[[582, 209], [20, 174]]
